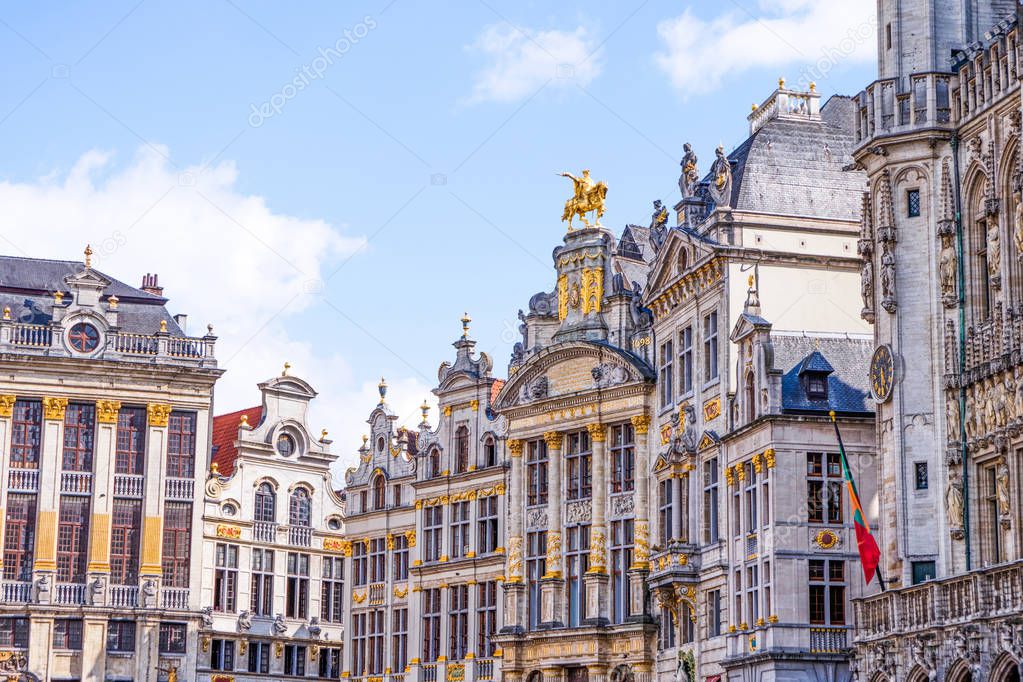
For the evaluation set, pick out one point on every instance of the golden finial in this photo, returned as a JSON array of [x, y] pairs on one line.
[[753, 107], [245, 420], [323, 435], [88, 256], [365, 439], [58, 297], [813, 87], [425, 409], [382, 387], [781, 83], [750, 280], [112, 301], [465, 324], [7, 312], [214, 468], [163, 325], [287, 366]]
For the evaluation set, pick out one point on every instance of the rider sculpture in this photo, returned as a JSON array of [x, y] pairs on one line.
[[588, 197]]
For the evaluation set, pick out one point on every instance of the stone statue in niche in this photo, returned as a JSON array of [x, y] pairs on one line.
[[867, 284], [1002, 488], [1019, 396], [971, 416], [949, 267], [994, 252], [1017, 224], [954, 503], [952, 417], [888, 280], [1000, 404], [990, 413]]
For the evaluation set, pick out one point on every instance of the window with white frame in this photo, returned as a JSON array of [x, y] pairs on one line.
[[225, 578]]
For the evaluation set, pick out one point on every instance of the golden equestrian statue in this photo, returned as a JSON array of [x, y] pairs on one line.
[[589, 196]]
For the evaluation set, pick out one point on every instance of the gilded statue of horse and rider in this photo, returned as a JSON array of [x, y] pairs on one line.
[[588, 198]]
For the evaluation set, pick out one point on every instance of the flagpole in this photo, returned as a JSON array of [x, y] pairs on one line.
[[841, 447]]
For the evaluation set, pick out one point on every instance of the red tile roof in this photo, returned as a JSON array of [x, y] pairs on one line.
[[495, 389], [225, 432]]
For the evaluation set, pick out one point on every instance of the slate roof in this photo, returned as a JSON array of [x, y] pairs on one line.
[[793, 166], [225, 432], [27, 286], [848, 384]]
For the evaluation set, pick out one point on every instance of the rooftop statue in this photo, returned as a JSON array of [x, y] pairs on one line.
[[588, 197]]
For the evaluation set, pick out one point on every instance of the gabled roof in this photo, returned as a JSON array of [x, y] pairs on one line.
[[815, 362], [225, 433], [848, 356]]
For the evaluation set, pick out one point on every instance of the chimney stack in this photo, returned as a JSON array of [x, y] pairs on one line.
[[151, 284]]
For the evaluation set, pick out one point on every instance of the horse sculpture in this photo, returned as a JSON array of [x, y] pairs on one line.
[[588, 197]]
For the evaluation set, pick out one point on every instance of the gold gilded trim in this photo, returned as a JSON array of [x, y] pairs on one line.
[[152, 541], [99, 544], [107, 410], [53, 409], [7, 405], [158, 413]]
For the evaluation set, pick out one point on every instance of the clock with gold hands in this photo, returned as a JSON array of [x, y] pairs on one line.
[[882, 373]]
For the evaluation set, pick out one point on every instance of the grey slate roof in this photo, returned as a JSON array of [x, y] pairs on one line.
[[794, 167], [848, 384], [27, 286]]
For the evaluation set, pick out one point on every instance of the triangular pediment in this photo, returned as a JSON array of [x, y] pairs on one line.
[[665, 268], [746, 325]]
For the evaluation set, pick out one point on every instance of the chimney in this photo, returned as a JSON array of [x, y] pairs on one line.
[[151, 284], [182, 321]]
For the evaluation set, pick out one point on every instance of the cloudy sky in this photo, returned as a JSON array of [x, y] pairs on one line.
[[333, 184]]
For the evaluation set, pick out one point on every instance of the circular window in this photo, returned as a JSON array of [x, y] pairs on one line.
[[285, 445], [334, 523], [83, 337], [229, 509]]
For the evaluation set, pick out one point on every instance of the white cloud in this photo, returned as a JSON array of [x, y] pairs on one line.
[[521, 61], [699, 55], [223, 257]]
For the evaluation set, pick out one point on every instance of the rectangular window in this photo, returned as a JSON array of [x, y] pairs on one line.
[[666, 373], [685, 360], [666, 632], [579, 460], [992, 549], [714, 613], [181, 445], [920, 475], [433, 533], [536, 566], [458, 622], [125, 536], [378, 560], [750, 490], [577, 562], [710, 347], [459, 529], [360, 639], [259, 657], [486, 524], [294, 659], [72, 539], [665, 509], [400, 555], [177, 543], [261, 597], [330, 663], [173, 638], [824, 487], [623, 458], [752, 593], [399, 640], [360, 563], [536, 472], [298, 586], [621, 560], [19, 536], [827, 592], [26, 433], [67, 634], [222, 654], [130, 457], [225, 578], [710, 501], [923, 571], [121, 636], [332, 590], [486, 618], [431, 624], [376, 642], [79, 436], [913, 203], [14, 633]]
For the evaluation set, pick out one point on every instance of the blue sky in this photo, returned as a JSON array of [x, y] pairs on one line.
[[333, 184]]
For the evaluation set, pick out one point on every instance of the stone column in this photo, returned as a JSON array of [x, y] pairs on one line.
[[596, 578], [6, 413], [641, 534], [105, 457], [50, 459], [514, 587], [94, 646], [553, 584], [150, 568]]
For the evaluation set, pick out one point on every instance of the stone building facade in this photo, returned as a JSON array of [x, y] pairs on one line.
[[105, 411], [273, 568], [938, 135]]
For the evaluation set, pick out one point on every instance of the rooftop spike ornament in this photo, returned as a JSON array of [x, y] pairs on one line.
[[382, 387], [426, 411], [287, 366], [465, 325], [88, 256]]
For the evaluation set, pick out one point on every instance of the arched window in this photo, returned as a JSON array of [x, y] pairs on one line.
[[489, 452], [266, 503], [982, 250], [461, 449], [750, 398], [433, 467], [300, 510], [379, 492]]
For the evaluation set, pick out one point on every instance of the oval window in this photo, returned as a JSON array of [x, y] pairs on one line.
[[285, 445], [83, 337]]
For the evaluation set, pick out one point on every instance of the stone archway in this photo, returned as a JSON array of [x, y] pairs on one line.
[[960, 671], [1005, 669]]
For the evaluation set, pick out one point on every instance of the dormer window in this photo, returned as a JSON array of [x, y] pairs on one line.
[[83, 337], [816, 386], [285, 445], [813, 376]]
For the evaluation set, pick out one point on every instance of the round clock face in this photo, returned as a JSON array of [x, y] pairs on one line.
[[882, 373]]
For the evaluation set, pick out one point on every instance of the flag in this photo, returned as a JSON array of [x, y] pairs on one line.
[[870, 553]]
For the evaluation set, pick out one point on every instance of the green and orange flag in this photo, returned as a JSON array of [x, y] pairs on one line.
[[870, 553]]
